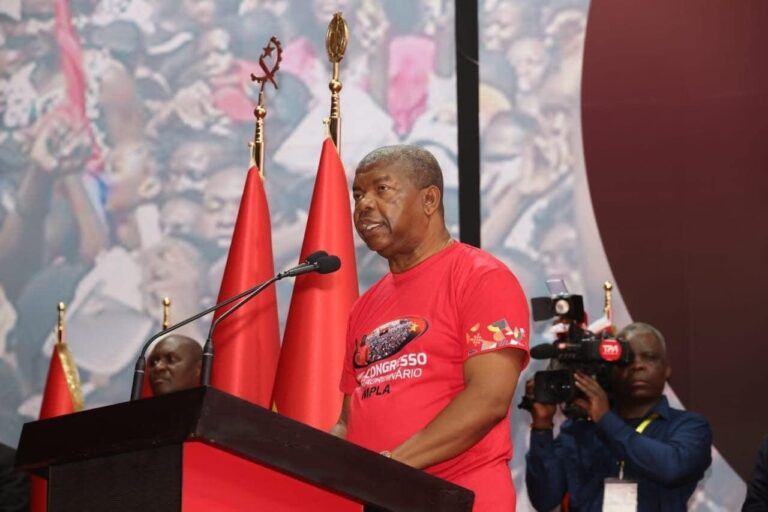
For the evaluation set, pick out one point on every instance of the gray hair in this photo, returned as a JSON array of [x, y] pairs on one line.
[[635, 328], [420, 164]]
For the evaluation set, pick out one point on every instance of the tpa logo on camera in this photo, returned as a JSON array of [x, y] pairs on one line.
[[610, 350]]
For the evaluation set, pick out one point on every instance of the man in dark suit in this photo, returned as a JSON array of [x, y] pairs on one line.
[[757, 488]]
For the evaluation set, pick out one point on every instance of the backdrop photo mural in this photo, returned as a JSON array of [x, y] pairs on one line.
[[130, 193]]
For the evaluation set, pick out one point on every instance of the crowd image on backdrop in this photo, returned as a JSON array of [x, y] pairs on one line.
[[124, 150], [133, 196]]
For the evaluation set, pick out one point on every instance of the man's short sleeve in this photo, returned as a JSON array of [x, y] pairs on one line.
[[493, 313]]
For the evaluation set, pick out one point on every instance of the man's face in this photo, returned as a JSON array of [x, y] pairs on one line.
[[173, 366], [129, 178], [389, 214], [644, 378], [179, 216], [529, 58], [188, 168], [501, 22], [221, 201], [504, 149]]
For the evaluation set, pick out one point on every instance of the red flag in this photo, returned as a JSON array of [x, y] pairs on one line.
[[307, 384], [71, 60], [62, 395], [247, 343], [73, 69]]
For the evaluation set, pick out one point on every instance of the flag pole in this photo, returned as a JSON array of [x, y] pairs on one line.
[[257, 145], [608, 302], [260, 112], [336, 39], [166, 312], [61, 308], [61, 350]]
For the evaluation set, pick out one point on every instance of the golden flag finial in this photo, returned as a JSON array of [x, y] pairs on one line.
[[269, 62], [166, 312], [608, 300], [61, 308], [61, 350], [336, 39]]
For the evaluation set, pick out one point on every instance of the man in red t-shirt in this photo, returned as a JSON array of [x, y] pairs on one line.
[[435, 348]]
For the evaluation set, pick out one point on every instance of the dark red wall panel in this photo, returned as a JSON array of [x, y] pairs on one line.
[[675, 120]]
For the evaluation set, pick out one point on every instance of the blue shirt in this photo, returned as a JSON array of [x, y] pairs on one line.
[[667, 460]]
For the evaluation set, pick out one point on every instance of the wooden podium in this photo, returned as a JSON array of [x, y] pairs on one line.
[[206, 450]]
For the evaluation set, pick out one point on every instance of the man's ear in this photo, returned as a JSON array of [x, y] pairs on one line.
[[198, 371], [431, 199], [668, 372]]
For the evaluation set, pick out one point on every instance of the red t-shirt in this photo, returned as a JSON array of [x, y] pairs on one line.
[[408, 338]]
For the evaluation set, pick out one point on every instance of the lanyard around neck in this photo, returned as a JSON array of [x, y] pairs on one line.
[[639, 429], [647, 421]]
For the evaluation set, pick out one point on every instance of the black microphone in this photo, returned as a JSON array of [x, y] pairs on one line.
[[316, 262], [319, 261], [544, 351]]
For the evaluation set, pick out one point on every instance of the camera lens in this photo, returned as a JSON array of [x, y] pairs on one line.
[[554, 386], [562, 307]]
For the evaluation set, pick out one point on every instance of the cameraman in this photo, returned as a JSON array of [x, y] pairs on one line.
[[639, 439]]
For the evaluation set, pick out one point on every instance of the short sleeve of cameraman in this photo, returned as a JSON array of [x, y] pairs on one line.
[[493, 312]]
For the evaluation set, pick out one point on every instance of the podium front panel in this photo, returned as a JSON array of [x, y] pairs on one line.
[[147, 480], [214, 479]]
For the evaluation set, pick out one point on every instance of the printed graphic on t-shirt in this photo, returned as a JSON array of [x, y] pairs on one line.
[[388, 339], [494, 335]]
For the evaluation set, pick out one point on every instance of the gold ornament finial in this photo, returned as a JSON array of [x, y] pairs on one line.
[[61, 308], [608, 299], [273, 53], [166, 312], [336, 39]]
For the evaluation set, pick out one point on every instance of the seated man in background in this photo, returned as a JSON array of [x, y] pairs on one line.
[[640, 439], [174, 364]]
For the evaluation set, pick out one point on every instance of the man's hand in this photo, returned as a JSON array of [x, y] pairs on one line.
[[340, 428], [60, 144], [596, 404], [542, 414]]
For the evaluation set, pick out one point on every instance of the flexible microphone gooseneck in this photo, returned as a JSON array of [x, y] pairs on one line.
[[319, 261], [138, 373], [140, 367], [544, 351]]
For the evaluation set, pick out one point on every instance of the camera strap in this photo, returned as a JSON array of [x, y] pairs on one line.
[[620, 495]]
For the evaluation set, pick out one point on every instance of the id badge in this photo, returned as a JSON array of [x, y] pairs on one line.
[[619, 495]]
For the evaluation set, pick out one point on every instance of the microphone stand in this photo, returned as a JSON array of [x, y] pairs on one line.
[[311, 264], [314, 262], [207, 364], [139, 369]]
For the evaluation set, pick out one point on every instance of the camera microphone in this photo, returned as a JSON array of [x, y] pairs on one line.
[[544, 351]]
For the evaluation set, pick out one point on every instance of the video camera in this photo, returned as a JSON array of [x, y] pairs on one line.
[[575, 349]]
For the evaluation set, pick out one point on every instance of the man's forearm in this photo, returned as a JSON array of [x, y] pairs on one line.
[[544, 473], [463, 422], [685, 453]]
